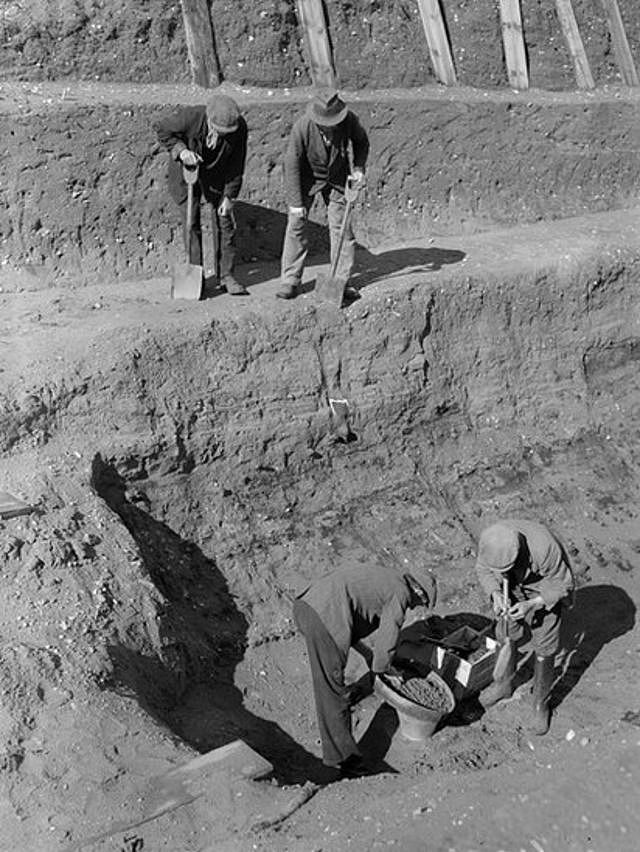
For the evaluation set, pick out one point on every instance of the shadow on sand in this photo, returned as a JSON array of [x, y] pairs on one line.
[[260, 239], [202, 635], [601, 613]]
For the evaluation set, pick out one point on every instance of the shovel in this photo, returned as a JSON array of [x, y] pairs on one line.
[[186, 282], [507, 645], [330, 288]]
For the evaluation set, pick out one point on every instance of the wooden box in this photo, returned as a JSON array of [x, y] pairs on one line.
[[465, 677]]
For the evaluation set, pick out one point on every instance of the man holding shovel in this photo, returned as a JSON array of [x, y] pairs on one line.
[[317, 162], [335, 613], [212, 139], [525, 571]]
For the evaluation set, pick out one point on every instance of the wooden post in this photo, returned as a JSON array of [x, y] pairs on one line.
[[439, 48], [513, 40], [567, 19], [620, 43], [316, 38], [201, 47]]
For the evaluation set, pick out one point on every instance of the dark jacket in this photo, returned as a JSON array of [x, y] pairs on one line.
[[310, 166], [222, 168], [353, 602], [542, 567]]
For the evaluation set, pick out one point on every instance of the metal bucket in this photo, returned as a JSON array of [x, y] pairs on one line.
[[417, 722]]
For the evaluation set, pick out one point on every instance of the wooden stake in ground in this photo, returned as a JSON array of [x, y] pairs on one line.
[[513, 40], [620, 44], [201, 47], [567, 19], [437, 40], [317, 42]]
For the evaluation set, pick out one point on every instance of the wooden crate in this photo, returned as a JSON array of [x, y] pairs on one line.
[[463, 676]]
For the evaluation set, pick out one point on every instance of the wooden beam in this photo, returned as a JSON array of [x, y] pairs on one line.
[[201, 46], [584, 78], [317, 42], [513, 40], [621, 48], [437, 41]]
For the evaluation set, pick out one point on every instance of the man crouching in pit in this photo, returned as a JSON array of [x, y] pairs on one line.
[[539, 582], [334, 614], [214, 140]]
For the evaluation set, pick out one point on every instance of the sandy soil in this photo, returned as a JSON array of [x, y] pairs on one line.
[[145, 607]]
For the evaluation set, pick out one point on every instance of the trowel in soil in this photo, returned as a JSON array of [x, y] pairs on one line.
[[330, 288], [187, 278]]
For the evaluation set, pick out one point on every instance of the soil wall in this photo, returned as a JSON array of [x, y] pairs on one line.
[[376, 44], [82, 178]]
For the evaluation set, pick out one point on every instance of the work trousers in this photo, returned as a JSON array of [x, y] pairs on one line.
[[331, 696], [296, 243], [224, 231], [544, 626]]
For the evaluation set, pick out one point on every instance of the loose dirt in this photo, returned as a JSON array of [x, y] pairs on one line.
[[423, 692], [187, 482]]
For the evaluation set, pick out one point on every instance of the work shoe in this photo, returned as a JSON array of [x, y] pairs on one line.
[[543, 674], [287, 291], [354, 767], [233, 287], [350, 294]]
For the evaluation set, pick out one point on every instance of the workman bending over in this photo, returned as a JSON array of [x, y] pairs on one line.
[[335, 613], [317, 162], [213, 139], [540, 582]]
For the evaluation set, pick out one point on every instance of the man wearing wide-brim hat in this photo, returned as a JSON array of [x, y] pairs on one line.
[[214, 139], [534, 564], [326, 144]]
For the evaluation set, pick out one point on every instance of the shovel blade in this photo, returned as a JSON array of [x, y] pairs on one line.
[[186, 282], [330, 289]]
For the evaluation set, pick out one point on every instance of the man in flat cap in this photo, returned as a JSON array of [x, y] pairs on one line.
[[335, 613], [535, 565], [214, 139], [326, 144]]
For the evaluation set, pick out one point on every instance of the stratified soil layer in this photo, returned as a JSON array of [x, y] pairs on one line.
[[83, 189], [376, 43]]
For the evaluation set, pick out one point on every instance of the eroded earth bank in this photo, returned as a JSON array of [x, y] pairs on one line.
[[188, 478]]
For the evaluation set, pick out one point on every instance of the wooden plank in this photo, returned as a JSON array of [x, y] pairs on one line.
[[201, 46], [513, 40], [584, 78], [621, 47], [437, 41], [317, 42], [11, 507]]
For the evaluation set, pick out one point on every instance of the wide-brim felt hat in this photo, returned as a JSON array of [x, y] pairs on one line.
[[327, 108]]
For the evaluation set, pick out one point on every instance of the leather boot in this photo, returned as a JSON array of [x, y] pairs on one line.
[[501, 688], [542, 681], [233, 287]]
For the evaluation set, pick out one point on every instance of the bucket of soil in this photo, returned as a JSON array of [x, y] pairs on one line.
[[420, 702]]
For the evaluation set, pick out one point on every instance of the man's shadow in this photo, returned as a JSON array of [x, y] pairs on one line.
[[260, 238], [202, 634], [403, 261], [600, 614]]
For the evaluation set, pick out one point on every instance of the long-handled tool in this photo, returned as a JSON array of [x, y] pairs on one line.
[[187, 278], [330, 288], [503, 635]]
